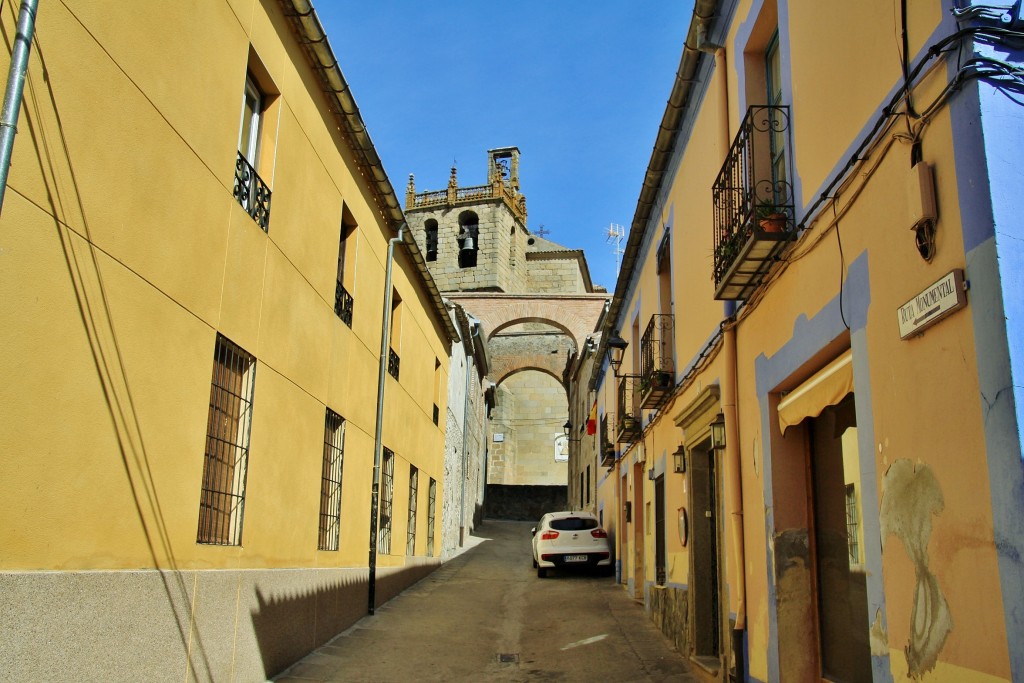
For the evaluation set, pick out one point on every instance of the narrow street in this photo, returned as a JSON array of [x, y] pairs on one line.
[[485, 616]]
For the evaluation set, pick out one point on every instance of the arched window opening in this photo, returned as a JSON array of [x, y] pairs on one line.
[[431, 229], [468, 239]]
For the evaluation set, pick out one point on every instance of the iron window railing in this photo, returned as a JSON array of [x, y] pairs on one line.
[[657, 373], [252, 193], [753, 206], [431, 515], [330, 482], [414, 483], [393, 363], [343, 304], [387, 496], [229, 422], [628, 415]]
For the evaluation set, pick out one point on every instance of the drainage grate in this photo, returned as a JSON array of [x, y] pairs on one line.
[[508, 658]]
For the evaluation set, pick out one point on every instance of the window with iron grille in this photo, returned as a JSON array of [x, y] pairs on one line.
[[387, 496], [852, 525], [437, 390], [330, 481], [395, 333], [250, 190], [222, 499], [414, 483], [343, 302], [431, 515]]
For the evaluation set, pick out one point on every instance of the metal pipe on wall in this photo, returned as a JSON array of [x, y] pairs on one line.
[[378, 443], [465, 451], [15, 89]]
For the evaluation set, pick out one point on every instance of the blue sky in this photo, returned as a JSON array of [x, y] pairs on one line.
[[578, 87]]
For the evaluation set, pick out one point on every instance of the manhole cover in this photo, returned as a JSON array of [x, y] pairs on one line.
[[508, 658]]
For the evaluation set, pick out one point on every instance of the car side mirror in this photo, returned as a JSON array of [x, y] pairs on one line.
[[533, 531]]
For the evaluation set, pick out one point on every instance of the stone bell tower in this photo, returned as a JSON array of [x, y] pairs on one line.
[[474, 238]]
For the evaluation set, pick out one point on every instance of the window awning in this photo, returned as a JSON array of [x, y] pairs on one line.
[[826, 388]]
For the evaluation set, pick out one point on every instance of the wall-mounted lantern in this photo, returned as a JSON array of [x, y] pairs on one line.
[[679, 460], [617, 346], [567, 429], [718, 433]]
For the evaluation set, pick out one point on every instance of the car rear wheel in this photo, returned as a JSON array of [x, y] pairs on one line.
[[541, 572]]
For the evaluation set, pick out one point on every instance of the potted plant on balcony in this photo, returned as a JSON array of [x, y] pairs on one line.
[[726, 253], [771, 217]]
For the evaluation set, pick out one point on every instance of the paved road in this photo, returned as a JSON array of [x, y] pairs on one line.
[[485, 616]]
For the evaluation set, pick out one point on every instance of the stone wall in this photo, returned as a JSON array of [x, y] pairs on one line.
[[532, 407], [555, 273], [501, 257], [669, 607], [524, 503]]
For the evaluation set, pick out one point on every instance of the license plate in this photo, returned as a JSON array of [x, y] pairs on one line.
[[575, 558]]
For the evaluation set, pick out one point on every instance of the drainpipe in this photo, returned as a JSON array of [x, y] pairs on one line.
[[15, 89], [465, 452], [733, 462], [377, 442]]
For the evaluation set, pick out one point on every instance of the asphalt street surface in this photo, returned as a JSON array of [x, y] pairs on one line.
[[486, 616]]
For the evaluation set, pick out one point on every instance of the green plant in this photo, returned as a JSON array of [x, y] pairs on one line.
[[768, 210]]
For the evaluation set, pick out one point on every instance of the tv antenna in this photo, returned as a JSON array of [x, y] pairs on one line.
[[615, 234]]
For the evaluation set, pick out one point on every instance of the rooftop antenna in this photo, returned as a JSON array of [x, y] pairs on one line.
[[615, 234]]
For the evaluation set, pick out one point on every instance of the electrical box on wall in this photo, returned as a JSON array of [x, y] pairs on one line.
[[921, 204]]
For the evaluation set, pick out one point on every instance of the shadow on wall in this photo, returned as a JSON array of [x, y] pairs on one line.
[[524, 503], [290, 626]]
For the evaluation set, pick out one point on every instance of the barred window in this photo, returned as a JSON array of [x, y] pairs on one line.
[[414, 483], [330, 481], [222, 500], [431, 515], [387, 495], [852, 525]]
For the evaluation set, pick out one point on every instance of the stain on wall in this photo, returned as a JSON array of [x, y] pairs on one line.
[[910, 496]]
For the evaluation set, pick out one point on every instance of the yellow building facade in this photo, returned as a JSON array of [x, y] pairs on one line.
[[817, 471], [195, 247]]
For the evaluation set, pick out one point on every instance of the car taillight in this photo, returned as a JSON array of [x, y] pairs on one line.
[[599, 533], [549, 536]]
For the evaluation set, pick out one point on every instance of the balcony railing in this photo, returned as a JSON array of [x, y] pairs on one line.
[[753, 203], [252, 193], [343, 304], [657, 371], [393, 362], [628, 426]]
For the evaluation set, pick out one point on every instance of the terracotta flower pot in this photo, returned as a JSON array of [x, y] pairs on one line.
[[775, 222]]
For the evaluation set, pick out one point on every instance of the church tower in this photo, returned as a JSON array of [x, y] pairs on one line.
[[474, 238]]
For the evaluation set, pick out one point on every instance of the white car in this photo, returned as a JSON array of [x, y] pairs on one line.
[[569, 540]]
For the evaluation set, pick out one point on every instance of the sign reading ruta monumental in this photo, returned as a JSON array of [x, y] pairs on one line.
[[933, 304]]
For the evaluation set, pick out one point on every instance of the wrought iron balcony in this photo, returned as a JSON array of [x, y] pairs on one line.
[[252, 193], [753, 203], [628, 425], [393, 362], [343, 304], [657, 370]]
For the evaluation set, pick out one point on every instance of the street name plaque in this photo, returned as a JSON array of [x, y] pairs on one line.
[[933, 304]]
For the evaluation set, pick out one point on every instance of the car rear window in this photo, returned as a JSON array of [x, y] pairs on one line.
[[573, 524]]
